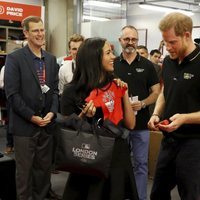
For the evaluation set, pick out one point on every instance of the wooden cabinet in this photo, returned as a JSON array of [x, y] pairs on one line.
[[10, 38], [3, 40]]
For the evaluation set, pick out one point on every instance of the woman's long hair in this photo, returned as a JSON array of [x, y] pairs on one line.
[[89, 72]]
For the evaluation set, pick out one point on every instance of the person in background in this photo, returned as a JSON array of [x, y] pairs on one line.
[[2, 77], [155, 57], [94, 72], [178, 162], [9, 136], [143, 51], [31, 86], [3, 104], [73, 44], [144, 88], [68, 65]]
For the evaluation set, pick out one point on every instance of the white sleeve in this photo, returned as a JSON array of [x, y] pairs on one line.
[[2, 77], [61, 79], [65, 75]]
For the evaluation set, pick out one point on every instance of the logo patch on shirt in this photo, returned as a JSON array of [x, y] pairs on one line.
[[139, 70], [108, 98], [188, 76]]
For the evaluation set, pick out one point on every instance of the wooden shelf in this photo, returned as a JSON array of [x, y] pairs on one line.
[[10, 38]]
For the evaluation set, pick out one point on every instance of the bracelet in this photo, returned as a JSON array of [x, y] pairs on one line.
[[143, 105], [155, 115]]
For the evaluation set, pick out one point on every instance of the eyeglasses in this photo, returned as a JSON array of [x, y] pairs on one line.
[[133, 40]]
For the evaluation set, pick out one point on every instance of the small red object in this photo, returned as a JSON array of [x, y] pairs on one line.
[[164, 122]]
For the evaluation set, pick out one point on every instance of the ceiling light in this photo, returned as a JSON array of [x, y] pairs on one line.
[[92, 18], [164, 9], [102, 4]]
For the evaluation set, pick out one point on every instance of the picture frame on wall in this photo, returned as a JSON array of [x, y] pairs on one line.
[[142, 35]]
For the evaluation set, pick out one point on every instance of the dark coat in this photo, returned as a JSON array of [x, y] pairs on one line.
[[24, 93]]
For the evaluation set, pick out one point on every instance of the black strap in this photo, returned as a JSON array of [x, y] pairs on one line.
[[73, 67]]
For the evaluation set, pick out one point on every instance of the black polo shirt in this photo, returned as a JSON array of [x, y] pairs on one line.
[[182, 90], [140, 76]]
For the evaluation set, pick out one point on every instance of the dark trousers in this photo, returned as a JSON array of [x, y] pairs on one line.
[[178, 164], [33, 163], [9, 134], [9, 138]]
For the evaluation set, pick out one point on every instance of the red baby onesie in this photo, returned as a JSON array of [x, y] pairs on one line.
[[109, 100]]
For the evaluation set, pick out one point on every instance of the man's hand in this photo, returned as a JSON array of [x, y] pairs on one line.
[[49, 116], [153, 123], [136, 106], [176, 121], [38, 121], [42, 121], [162, 125], [173, 124], [121, 83]]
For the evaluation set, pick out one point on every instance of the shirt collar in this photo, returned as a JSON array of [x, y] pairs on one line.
[[191, 56], [34, 56], [137, 58], [194, 54]]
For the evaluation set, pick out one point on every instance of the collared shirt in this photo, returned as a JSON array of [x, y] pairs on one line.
[[40, 69], [182, 90], [39, 65], [140, 76]]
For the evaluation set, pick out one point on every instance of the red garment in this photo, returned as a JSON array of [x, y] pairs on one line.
[[67, 58], [109, 99]]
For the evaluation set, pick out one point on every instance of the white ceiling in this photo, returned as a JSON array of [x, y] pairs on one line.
[[192, 5], [131, 7]]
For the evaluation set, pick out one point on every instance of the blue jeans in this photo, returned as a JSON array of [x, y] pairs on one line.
[[139, 141], [178, 164]]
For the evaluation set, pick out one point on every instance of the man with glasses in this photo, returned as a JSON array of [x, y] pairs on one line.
[[31, 86], [144, 88]]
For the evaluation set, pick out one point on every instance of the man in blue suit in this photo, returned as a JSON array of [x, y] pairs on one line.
[[31, 85]]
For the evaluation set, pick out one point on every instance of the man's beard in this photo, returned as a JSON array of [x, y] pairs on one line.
[[129, 49]]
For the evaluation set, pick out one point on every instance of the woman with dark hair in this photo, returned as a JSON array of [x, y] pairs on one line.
[[94, 89]]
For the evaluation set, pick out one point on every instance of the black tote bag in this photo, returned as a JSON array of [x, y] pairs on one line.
[[84, 148]]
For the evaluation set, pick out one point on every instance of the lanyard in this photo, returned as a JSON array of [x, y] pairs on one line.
[[41, 72]]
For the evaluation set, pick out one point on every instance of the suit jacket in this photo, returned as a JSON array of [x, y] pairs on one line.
[[24, 93]]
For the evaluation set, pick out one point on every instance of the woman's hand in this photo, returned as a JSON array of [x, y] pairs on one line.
[[88, 110]]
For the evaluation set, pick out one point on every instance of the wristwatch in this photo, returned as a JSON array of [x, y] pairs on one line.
[[143, 104]]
